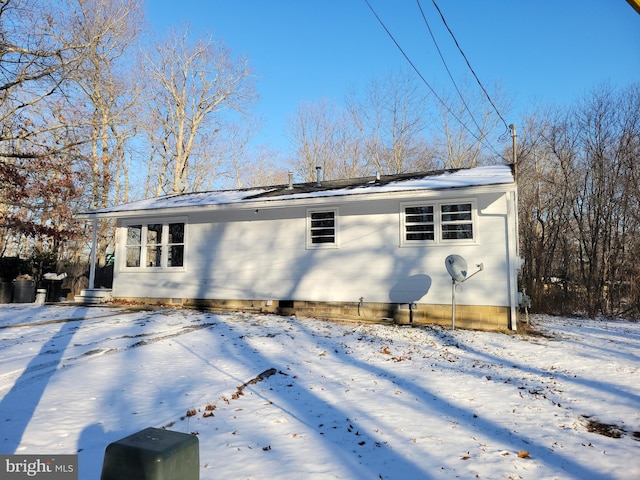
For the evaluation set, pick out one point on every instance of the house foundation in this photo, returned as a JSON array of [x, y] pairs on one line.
[[470, 317]]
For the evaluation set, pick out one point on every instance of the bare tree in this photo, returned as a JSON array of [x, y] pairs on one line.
[[381, 130], [34, 63], [105, 85], [105, 88], [546, 232], [190, 88], [37, 137], [350, 154], [579, 204], [466, 126], [313, 132], [260, 168], [605, 211], [390, 118]]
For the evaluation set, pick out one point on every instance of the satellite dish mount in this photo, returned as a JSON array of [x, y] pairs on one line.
[[457, 268]]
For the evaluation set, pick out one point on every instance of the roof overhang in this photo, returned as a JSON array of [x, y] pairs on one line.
[[427, 184]]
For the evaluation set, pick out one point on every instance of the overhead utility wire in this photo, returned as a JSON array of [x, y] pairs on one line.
[[417, 71], [427, 83], [426, 22], [469, 65]]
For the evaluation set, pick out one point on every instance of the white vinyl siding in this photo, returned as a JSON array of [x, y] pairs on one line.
[[265, 251]]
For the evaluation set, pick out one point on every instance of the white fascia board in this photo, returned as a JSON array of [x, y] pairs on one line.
[[314, 200]]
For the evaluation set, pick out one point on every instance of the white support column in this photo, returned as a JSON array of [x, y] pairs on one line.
[[92, 267]]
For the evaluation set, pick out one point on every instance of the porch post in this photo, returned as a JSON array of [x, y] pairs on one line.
[[92, 267]]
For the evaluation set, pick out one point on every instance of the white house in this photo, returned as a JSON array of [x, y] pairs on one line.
[[369, 248]]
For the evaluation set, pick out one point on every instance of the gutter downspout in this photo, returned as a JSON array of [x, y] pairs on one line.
[[513, 264], [516, 263]]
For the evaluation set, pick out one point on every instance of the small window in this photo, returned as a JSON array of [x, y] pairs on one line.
[[322, 228], [456, 221]]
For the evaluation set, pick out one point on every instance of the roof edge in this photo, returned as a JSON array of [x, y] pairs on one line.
[[433, 180]]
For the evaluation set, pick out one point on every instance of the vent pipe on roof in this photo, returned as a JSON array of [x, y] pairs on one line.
[[318, 176], [290, 187]]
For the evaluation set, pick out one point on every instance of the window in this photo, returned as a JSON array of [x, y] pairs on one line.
[[154, 245], [456, 221], [419, 224], [134, 245], [437, 223], [176, 245], [160, 245], [322, 227]]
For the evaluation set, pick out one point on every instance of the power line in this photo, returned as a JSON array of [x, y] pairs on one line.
[[447, 67], [424, 80], [469, 64]]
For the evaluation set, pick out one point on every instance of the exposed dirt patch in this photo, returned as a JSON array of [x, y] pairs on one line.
[[607, 429], [530, 330]]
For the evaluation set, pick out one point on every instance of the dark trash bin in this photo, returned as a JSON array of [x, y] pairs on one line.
[[153, 454], [24, 291], [6, 292], [54, 289]]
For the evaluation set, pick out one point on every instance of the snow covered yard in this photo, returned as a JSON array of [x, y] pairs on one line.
[[346, 401]]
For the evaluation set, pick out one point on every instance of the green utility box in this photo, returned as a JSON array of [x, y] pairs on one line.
[[153, 454]]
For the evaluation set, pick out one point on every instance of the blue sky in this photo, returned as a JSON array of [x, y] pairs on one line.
[[542, 52]]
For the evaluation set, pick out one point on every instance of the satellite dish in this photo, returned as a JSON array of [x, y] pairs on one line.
[[457, 267]]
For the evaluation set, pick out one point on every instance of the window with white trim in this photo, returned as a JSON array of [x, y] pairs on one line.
[[434, 222], [322, 227], [456, 221], [419, 223], [175, 245], [155, 245], [134, 245]]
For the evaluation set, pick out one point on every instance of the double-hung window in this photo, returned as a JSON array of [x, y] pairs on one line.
[[175, 245], [322, 228], [155, 245], [134, 246], [438, 223]]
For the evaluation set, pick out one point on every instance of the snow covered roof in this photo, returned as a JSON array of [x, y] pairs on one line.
[[436, 180]]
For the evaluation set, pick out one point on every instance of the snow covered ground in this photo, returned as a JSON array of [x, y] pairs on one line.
[[346, 401]]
